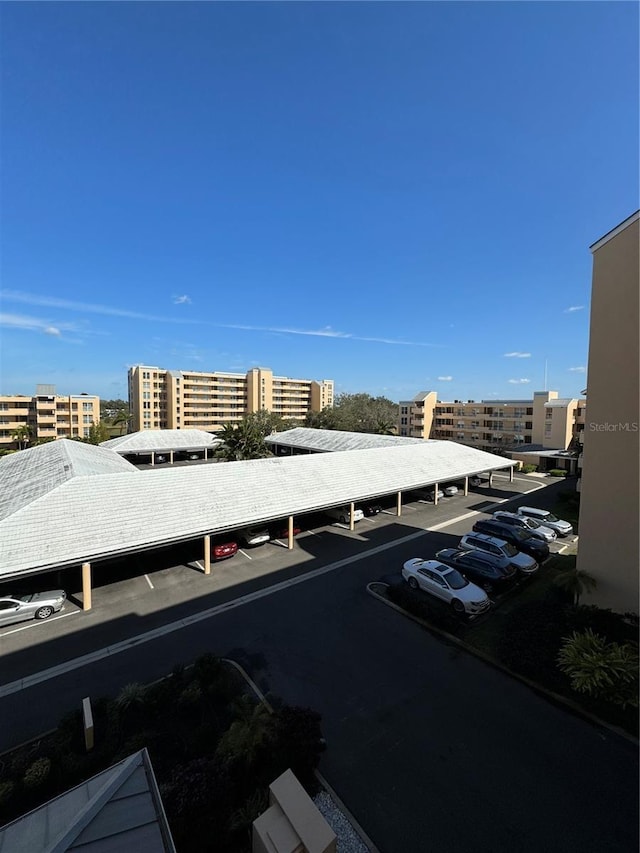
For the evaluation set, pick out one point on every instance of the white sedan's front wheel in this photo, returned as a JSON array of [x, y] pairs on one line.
[[44, 612], [413, 583], [458, 606]]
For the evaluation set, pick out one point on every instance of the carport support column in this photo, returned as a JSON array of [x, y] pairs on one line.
[[86, 586], [205, 454], [490, 479], [435, 494], [352, 523], [511, 474], [399, 504], [153, 458], [290, 534], [171, 457], [466, 486], [207, 554]]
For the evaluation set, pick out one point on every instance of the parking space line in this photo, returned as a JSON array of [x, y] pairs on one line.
[[199, 565], [240, 551], [37, 622], [148, 579], [370, 520]]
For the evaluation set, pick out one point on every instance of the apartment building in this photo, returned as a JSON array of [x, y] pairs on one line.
[[609, 502], [538, 431], [46, 415], [177, 399]]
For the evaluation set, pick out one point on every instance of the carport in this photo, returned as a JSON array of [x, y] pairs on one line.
[[87, 503], [164, 442]]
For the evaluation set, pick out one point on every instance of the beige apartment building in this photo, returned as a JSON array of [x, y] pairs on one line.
[[609, 504], [47, 415], [537, 431], [177, 399]]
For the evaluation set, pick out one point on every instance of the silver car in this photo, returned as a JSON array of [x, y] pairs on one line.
[[39, 605], [530, 525]]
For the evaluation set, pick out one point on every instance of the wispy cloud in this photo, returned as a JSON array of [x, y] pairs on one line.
[[182, 300], [35, 324], [577, 369], [445, 378], [519, 381], [517, 355], [573, 308], [109, 311]]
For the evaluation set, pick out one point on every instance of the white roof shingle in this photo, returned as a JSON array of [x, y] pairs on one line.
[[90, 518], [332, 440]]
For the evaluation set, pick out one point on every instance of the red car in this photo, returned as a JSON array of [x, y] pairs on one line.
[[220, 550], [280, 530]]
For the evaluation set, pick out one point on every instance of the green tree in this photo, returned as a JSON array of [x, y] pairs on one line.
[[575, 582], [604, 670], [110, 408], [123, 420], [98, 432], [357, 413], [22, 435], [245, 440]]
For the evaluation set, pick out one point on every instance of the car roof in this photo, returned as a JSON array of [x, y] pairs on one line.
[[534, 509], [485, 537]]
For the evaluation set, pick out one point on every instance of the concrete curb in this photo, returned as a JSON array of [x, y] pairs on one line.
[[323, 782], [543, 691]]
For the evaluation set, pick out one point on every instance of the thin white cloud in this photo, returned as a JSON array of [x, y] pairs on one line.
[[445, 378], [108, 311], [577, 369], [519, 381], [182, 300], [573, 308], [517, 355], [35, 324]]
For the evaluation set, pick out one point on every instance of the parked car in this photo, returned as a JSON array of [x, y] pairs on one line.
[[479, 480], [38, 605], [194, 456], [280, 530], [253, 536], [499, 548], [343, 514], [486, 570], [159, 458], [521, 539], [222, 548], [546, 534], [428, 494], [450, 491], [370, 509], [447, 584], [562, 528]]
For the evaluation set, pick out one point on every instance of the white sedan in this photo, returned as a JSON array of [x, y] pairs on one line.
[[447, 584]]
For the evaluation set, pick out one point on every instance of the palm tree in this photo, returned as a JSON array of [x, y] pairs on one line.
[[22, 436], [123, 419], [244, 440], [575, 582]]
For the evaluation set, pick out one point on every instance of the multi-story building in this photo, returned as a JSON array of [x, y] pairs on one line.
[[609, 502], [46, 415], [177, 399], [538, 430]]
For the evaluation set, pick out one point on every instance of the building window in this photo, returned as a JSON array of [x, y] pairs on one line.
[[460, 436]]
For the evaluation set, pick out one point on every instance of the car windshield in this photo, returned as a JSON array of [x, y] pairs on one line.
[[551, 517], [456, 580], [520, 534], [532, 523], [510, 550]]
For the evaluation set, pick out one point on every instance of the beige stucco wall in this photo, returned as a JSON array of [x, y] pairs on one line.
[[608, 547]]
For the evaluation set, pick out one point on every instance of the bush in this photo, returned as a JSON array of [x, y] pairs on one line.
[[529, 469], [557, 472], [531, 638], [604, 670], [6, 792], [612, 626], [37, 774]]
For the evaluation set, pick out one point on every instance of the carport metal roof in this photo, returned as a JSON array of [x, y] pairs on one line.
[[162, 440], [97, 517], [332, 440]]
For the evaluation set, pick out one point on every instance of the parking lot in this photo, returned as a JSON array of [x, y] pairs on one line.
[[144, 585]]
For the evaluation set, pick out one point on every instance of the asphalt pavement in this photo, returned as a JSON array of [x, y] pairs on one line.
[[430, 748]]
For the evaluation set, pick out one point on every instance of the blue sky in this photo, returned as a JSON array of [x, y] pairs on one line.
[[396, 196]]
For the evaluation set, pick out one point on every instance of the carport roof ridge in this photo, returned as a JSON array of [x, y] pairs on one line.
[[156, 440], [332, 440], [29, 474], [98, 517]]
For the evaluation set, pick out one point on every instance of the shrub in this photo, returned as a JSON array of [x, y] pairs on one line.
[[557, 472], [6, 792], [37, 774], [208, 669], [529, 469], [531, 638], [612, 626], [604, 670]]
